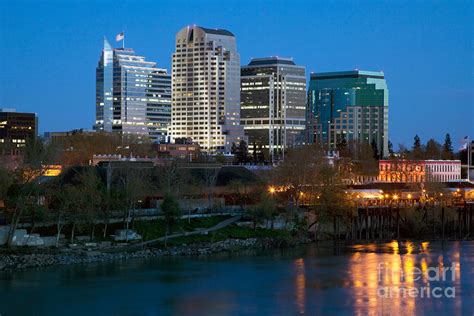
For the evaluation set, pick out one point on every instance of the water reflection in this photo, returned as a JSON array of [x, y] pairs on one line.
[[316, 280], [300, 284], [456, 258], [409, 267]]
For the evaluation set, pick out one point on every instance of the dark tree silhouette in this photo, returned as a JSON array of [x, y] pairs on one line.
[[375, 149], [448, 148]]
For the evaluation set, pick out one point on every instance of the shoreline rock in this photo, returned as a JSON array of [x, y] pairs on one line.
[[15, 262]]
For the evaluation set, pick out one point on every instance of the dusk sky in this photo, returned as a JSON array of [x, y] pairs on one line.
[[49, 51]]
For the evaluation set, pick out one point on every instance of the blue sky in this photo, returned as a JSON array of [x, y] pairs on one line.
[[49, 51]]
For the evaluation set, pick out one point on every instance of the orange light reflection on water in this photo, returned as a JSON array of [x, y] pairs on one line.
[[367, 276], [300, 285]]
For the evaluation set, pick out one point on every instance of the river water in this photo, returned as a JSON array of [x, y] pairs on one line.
[[371, 279]]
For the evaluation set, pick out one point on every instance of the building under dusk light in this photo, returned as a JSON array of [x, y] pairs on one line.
[[350, 105], [272, 104], [132, 95], [16, 129], [419, 170], [206, 89]]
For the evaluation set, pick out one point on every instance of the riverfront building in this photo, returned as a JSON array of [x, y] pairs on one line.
[[272, 104], [349, 105], [132, 95], [419, 170], [206, 89]]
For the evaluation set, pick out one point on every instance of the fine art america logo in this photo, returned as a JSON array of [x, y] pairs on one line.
[[434, 281]]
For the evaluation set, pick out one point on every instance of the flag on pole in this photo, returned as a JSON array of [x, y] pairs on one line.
[[120, 37], [464, 143]]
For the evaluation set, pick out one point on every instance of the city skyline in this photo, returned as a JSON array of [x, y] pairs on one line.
[[426, 78]]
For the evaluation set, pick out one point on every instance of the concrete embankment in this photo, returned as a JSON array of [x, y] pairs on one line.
[[19, 261]]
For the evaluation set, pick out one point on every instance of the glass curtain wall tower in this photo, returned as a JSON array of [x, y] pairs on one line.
[[132, 95], [206, 89], [350, 105], [273, 104]]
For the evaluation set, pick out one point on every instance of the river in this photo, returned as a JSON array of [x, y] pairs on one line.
[[313, 280]]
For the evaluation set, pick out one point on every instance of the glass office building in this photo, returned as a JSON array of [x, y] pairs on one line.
[[272, 104], [132, 95], [350, 105]]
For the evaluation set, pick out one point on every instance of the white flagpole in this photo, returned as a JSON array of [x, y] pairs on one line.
[[123, 40], [468, 157]]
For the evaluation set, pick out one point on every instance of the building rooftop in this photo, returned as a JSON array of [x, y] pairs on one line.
[[274, 60], [348, 74], [216, 31], [418, 161]]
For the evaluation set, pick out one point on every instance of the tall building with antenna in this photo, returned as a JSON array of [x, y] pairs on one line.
[[133, 96]]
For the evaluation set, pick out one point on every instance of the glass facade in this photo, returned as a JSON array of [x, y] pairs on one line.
[[350, 105], [132, 95], [272, 104]]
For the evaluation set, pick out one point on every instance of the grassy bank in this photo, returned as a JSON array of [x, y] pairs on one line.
[[157, 229], [230, 232]]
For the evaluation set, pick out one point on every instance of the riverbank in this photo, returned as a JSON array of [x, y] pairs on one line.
[[22, 260]]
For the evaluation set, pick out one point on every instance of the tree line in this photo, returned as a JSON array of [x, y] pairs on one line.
[[431, 150]]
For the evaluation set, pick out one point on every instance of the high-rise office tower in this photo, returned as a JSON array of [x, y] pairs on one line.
[[273, 104], [132, 95], [206, 89], [349, 105]]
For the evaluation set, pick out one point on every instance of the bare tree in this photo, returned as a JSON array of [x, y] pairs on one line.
[[24, 193], [295, 175], [135, 184], [308, 176], [210, 179]]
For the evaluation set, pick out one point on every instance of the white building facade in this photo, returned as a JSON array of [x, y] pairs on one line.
[[206, 89], [419, 170]]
